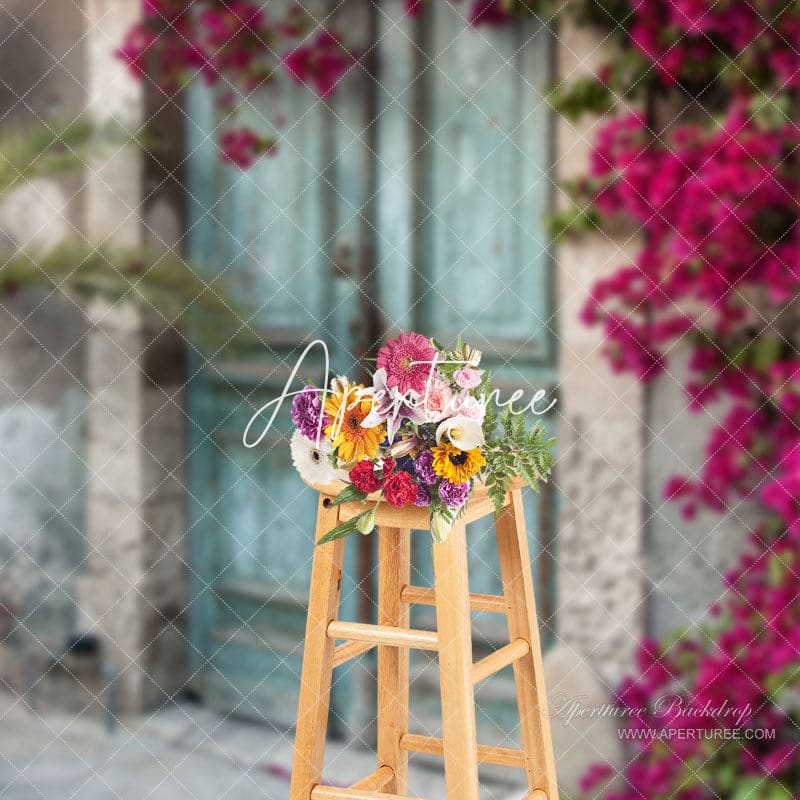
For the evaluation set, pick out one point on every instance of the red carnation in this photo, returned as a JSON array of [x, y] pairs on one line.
[[387, 467], [399, 489], [364, 478]]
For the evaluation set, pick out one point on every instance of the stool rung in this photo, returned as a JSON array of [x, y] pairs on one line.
[[383, 634], [338, 793], [500, 658], [348, 651], [422, 596], [375, 781], [505, 756], [537, 794]]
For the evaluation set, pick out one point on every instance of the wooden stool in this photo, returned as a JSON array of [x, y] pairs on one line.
[[453, 641]]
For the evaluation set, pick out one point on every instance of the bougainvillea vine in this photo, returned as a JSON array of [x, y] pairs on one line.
[[240, 46], [714, 201], [237, 47]]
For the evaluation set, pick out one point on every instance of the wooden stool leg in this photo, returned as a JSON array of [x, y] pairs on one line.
[[515, 568], [394, 572], [455, 665], [315, 683]]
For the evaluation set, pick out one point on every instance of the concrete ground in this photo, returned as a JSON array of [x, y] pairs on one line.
[[184, 752]]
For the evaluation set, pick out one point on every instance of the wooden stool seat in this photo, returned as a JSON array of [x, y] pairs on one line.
[[394, 638]]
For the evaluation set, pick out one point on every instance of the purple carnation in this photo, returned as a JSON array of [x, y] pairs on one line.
[[453, 495], [423, 466], [423, 497], [307, 411]]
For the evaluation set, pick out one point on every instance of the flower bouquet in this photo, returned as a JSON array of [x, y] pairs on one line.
[[423, 434]]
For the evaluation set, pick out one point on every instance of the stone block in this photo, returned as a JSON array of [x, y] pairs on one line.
[[686, 558], [583, 720], [34, 215], [136, 515]]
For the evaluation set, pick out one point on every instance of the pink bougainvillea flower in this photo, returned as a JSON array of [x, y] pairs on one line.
[[781, 759], [594, 776], [243, 147], [234, 38], [320, 64], [169, 58], [166, 9], [138, 40], [408, 360], [489, 12]]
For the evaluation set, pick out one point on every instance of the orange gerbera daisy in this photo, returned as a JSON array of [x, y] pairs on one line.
[[347, 409]]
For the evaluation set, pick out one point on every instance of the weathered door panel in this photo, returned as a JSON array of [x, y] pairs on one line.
[[275, 236]]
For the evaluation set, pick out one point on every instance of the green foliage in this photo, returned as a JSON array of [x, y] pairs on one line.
[[758, 787], [587, 94], [613, 16], [345, 528], [454, 359], [491, 421], [348, 495], [580, 214], [576, 218], [755, 350], [771, 110], [362, 523], [518, 453], [47, 150], [442, 520], [627, 76], [163, 284]]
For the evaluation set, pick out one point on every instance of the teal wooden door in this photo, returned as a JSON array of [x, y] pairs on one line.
[[412, 200], [284, 237]]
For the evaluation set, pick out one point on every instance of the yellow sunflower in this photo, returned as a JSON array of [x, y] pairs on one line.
[[346, 410], [457, 466]]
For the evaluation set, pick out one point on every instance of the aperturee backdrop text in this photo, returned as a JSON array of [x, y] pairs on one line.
[[422, 434]]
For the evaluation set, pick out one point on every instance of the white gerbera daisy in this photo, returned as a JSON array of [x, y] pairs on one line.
[[313, 463]]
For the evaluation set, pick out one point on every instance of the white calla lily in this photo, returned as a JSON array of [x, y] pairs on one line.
[[462, 432]]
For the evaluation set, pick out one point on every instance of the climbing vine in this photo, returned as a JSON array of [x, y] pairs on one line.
[[700, 151], [240, 46], [159, 283], [716, 202]]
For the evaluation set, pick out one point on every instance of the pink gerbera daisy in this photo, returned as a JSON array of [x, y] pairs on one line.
[[408, 361]]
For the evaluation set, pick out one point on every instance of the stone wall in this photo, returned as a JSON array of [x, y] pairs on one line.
[[43, 400], [685, 558], [601, 578], [134, 590], [90, 401], [43, 473], [630, 565]]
